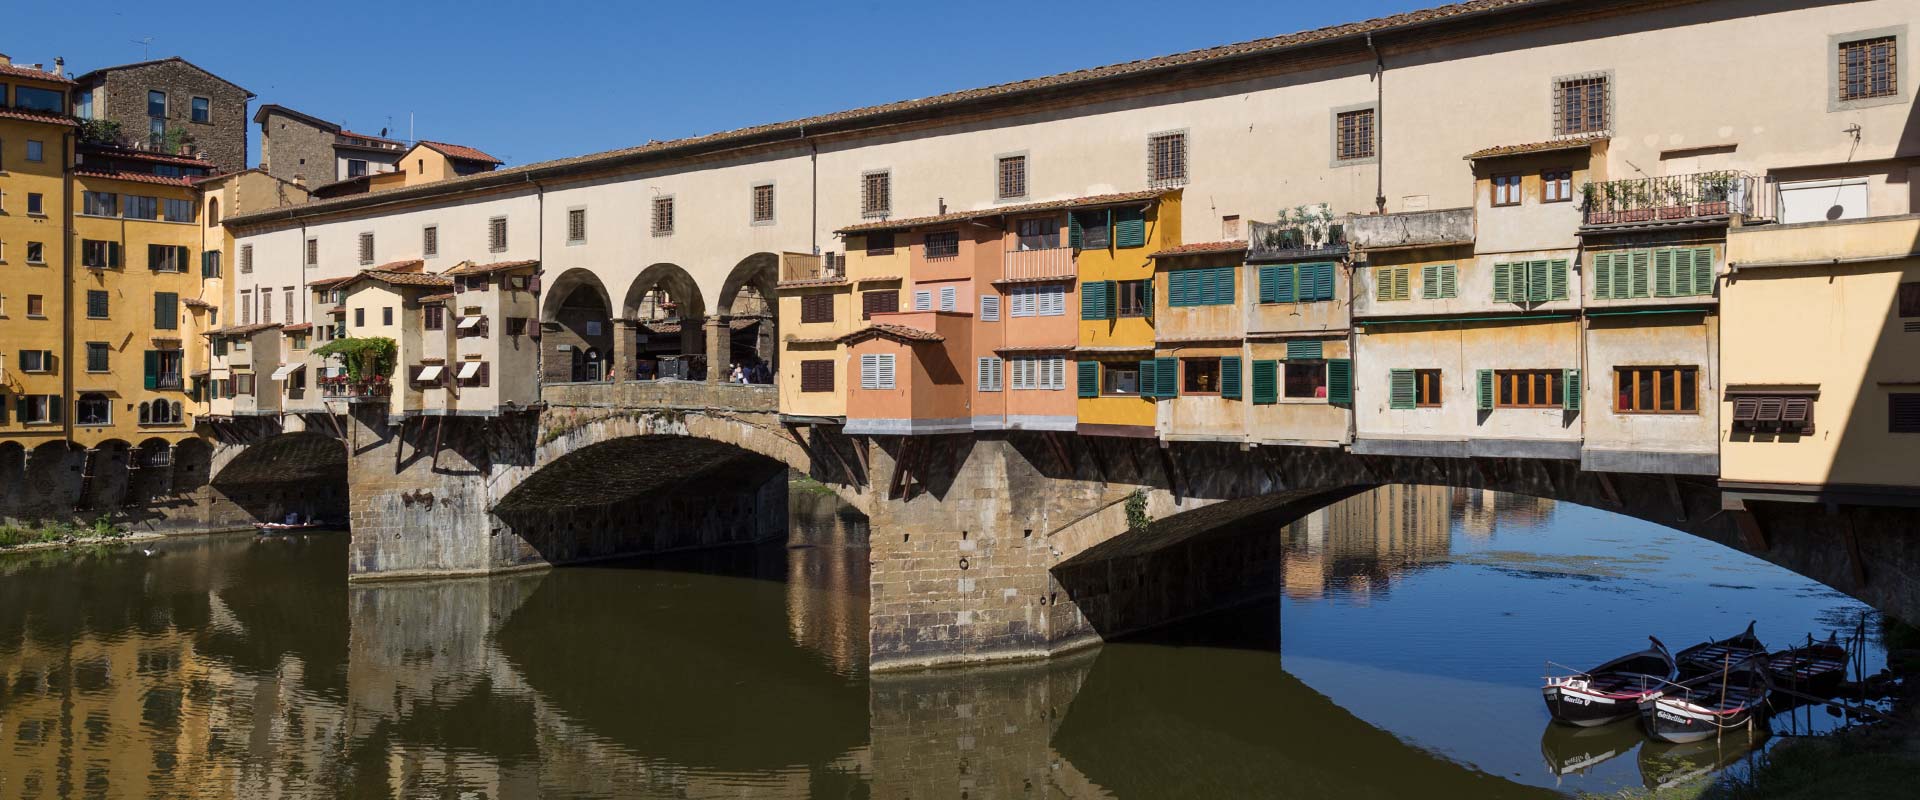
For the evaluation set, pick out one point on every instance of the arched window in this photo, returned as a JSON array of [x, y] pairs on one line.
[[93, 409], [160, 412], [146, 414], [213, 212]]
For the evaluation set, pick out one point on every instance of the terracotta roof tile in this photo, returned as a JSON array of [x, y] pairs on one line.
[[242, 330], [1535, 147], [460, 151], [1201, 248], [344, 132], [898, 333], [1036, 348], [145, 155], [328, 282], [338, 311], [437, 298], [866, 115], [1198, 339], [408, 278], [1037, 279], [37, 116], [300, 328], [136, 177], [812, 282], [470, 268], [19, 71], [403, 265], [1024, 208], [195, 302]]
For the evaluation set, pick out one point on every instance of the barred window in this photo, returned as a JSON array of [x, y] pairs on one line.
[[246, 259], [1869, 68], [876, 194], [763, 203], [430, 240], [366, 248], [943, 244], [497, 234], [1354, 134], [313, 252], [1012, 177], [663, 216], [1580, 105], [1167, 160], [576, 225]]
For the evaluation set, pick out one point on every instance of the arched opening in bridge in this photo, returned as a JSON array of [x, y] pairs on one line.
[[108, 475], [666, 315], [576, 322], [748, 303], [293, 475]]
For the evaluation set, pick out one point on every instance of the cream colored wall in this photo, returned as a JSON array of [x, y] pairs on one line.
[[1459, 351], [1680, 340], [369, 297], [1292, 420]]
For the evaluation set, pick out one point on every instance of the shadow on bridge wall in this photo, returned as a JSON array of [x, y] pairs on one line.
[[298, 472]]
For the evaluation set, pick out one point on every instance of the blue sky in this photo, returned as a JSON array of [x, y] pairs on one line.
[[577, 77]]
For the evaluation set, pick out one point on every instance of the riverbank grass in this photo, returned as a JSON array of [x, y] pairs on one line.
[[806, 484], [1863, 763], [52, 532]]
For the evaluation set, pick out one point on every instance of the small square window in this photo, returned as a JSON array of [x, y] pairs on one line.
[[1199, 376], [1167, 159], [876, 194], [36, 150], [1506, 190], [1012, 178], [1581, 104], [663, 216], [1353, 134], [36, 203], [1869, 68], [1556, 186], [202, 109]]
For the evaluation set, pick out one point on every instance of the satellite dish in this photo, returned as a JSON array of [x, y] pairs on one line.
[[383, 132]]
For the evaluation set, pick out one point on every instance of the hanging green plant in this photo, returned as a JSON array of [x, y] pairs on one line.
[[1137, 519], [365, 357]]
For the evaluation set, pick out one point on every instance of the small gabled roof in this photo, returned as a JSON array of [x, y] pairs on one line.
[[242, 330], [89, 76], [898, 333], [458, 151], [470, 268], [1552, 145], [270, 108], [300, 328]]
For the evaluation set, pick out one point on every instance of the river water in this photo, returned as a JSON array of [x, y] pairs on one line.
[[1401, 659]]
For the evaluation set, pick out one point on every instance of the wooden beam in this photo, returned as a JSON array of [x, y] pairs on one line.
[[1852, 541], [1607, 488], [1752, 533], [1173, 473], [1673, 496], [1059, 452]]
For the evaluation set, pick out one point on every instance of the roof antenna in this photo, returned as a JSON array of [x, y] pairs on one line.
[[146, 45]]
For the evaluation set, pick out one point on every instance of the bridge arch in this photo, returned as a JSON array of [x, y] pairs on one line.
[[296, 471]]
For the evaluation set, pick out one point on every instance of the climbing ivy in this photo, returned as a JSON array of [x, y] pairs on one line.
[[365, 356], [1137, 519]]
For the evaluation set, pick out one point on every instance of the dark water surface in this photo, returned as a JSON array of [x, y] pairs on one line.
[[1400, 661]]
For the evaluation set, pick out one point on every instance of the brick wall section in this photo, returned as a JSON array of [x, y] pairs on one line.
[[294, 150], [222, 140]]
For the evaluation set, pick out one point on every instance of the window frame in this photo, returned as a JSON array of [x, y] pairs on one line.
[[1130, 299], [1188, 375], [1339, 154], [200, 110], [755, 217], [1178, 152], [1319, 367], [497, 234], [576, 225], [1427, 389], [1108, 370], [876, 193], [810, 377], [1625, 376], [927, 245], [1505, 190], [1010, 177], [1556, 185], [80, 404], [1565, 127], [661, 215], [1507, 396], [1837, 83], [105, 353]]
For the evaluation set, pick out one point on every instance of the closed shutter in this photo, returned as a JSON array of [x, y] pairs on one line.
[[1089, 379], [1223, 280], [1400, 393], [1602, 276], [816, 375], [1340, 381], [1302, 349], [923, 300], [1383, 284], [879, 302], [949, 299], [1639, 262], [1148, 386], [1146, 296], [152, 378], [1703, 272], [166, 310], [113, 254], [1073, 230], [1663, 285], [1266, 382], [1903, 413], [1168, 370], [1113, 300], [55, 405], [1570, 383], [1270, 275], [1557, 279], [869, 372], [1129, 227], [1539, 282], [1486, 390], [1322, 277], [1093, 300], [1230, 377], [1430, 282], [1501, 272], [1180, 288], [989, 308], [1449, 281]]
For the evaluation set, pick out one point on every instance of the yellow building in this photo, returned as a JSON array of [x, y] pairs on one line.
[[36, 143], [819, 303], [1112, 255], [213, 306]]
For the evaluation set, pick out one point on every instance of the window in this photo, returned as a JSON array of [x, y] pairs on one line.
[[816, 307], [1130, 298], [816, 375], [663, 216], [879, 244], [1012, 177], [876, 371], [1656, 390], [1038, 301], [288, 293], [34, 98], [1305, 379], [1200, 376], [497, 234], [168, 258], [923, 300], [1663, 272], [1438, 282], [140, 207], [210, 264], [100, 204], [1413, 388], [1908, 302], [178, 210], [93, 408], [1039, 234], [429, 241], [1295, 283], [99, 254], [1353, 134], [266, 305], [36, 203], [763, 203], [97, 354], [1580, 105], [246, 259], [876, 194], [243, 383], [1869, 69], [386, 315], [990, 373], [359, 318], [356, 167], [1045, 373], [943, 244], [1119, 381], [156, 131], [157, 103], [1090, 230], [949, 299], [1773, 413], [1903, 412], [36, 150], [1390, 283], [1506, 190], [1167, 159], [36, 253], [96, 304], [879, 301], [366, 248], [516, 326], [246, 306], [1206, 286], [433, 317], [37, 408], [1530, 281], [989, 308], [576, 225], [1529, 388], [36, 307], [161, 412], [1556, 186], [36, 361]]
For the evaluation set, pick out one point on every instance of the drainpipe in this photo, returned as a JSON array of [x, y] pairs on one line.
[[540, 249], [1379, 129], [813, 189], [66, 285]]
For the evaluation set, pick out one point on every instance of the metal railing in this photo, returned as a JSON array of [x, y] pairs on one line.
[[1700, 195], [808, 267], [1050, 262], [1291, 239]]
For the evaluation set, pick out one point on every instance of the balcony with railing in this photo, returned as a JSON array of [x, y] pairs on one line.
[[1039, 263], [1697, 197], [810, 267], [1437, 228], [1308, 233]]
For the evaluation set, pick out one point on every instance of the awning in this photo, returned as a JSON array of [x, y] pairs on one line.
[[471, 322], [287, 369], [469, 369], [429, 374]]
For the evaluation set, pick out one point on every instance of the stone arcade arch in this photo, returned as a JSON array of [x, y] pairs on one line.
[[576, 320], [749, 303], [662, 318]]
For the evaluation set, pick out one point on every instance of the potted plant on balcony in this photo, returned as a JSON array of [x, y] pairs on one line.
[[1672, 196], [1715, 189], [1636, 201], [1597, 211]]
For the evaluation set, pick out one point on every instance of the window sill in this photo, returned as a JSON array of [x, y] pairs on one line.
[[32, 263], [1626, 413], [35, 316], [575, 242]]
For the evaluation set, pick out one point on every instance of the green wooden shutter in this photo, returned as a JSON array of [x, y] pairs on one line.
[[1113, 299], [1091, 295], [1602, 276], [1168, 372], [1146, 295], [1266, 382], [1148, 387], [1383, 284], [1176, 287], [1230, 377], [55, 406], [1089, 379], [1570, 389], [153, 370], [1323, 281], [1622, 276], [1500, 278], [1537, 289], [1073, 230], [1223, 282], [166, 310], [1557, 279], [1663, 272], [1288, 289], [20, 407], [1129, 227], [1639, 261], [1339, 381], [1486, 390], [1400, 392], [1449, 281], [1401, 277], [1703, 270], [113, 254], [1301, 349], [1430, 282], [1270, 283]]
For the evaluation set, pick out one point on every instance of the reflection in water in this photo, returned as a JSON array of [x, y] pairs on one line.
[[243, 667]]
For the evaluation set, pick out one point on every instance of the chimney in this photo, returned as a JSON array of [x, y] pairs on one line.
[[6, 60], [300, 181], [59, 66]]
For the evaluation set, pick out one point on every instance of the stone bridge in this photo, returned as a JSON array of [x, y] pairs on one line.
[[985, 547]]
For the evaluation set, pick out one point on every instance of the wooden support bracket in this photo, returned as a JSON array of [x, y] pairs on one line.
[[1673, 496], [1852, 541], [1607, 488]]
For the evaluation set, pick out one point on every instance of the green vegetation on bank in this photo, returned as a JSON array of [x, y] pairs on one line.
[[805, 483], [46, 532]]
